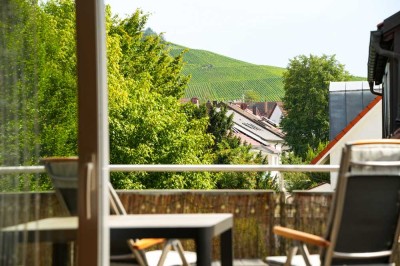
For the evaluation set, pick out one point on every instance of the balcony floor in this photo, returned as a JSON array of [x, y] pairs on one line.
[[244, 262]]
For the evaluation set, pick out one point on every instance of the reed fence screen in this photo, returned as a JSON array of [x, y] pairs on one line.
[[255, 213]]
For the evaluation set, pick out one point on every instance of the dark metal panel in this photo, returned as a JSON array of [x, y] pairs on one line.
[[337, 113], [386, 116], [391, 22], [396, 80], [389, 52], [344, 106]]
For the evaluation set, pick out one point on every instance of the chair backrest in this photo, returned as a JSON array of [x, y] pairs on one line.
[[64, 175], [364, 225], [63, 172], [116, 206]]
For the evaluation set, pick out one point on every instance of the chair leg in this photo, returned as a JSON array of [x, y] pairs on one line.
[[178, 247], [164, 253], [292, 252], [305, 253], [140, 256]]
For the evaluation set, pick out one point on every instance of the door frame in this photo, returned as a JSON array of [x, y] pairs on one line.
[[93, 144]]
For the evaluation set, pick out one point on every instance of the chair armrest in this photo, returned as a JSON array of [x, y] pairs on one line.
[[144, 243], [301, 236]]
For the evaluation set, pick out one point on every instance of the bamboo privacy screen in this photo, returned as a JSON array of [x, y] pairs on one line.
[[255, 213]]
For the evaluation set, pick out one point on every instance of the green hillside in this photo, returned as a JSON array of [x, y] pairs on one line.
[[217, 77]]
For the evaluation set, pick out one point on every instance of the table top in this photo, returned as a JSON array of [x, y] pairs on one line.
[[168, 220], [60, 228], [54, 223], [170, 225]]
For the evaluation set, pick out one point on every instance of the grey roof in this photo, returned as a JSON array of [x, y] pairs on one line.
[[254, 123], [250, 128], [383, 36]]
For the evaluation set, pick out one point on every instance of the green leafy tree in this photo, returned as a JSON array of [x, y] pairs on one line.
[[220, 125], [303, 181], [21, 59], [38, 84], [306, 85], [237, 153], [251, 96], [295, 180], [57, 99], [148, 125]]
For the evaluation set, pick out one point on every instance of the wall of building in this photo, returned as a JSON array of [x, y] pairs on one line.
[[276, 115], [368, 127]]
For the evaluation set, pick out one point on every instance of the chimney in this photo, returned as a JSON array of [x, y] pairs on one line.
[[195, 101], [255, 110], [208, 105]]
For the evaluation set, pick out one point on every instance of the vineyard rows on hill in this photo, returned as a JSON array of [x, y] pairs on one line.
[[228, 73], [203, 58], [217, 77], [269, 89]]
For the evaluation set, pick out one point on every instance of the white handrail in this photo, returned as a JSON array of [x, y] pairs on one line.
[[187, 168], [21, 169], [221, 168]]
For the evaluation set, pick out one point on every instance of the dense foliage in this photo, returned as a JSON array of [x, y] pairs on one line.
[[306, 85], [58, 81], [306, 123], [303, 180], [147, 122], [21, 63]]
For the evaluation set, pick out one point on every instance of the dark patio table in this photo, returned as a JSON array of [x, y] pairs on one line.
[[200, 227]]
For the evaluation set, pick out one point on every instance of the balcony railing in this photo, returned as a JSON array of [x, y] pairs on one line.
[[255, 211], [187, 168]]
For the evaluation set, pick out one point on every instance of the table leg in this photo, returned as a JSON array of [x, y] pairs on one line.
[[204, 248], [226, 248], [60, 254]]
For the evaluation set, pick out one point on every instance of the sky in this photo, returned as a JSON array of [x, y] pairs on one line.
[[267, 32]]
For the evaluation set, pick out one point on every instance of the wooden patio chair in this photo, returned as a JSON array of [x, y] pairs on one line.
[[363, 228], [64, 172]]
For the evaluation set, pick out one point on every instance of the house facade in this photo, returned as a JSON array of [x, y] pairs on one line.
[[254, 130], [383, 69], [363, 126], [354, 113], [270, 111], [381, 117]]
